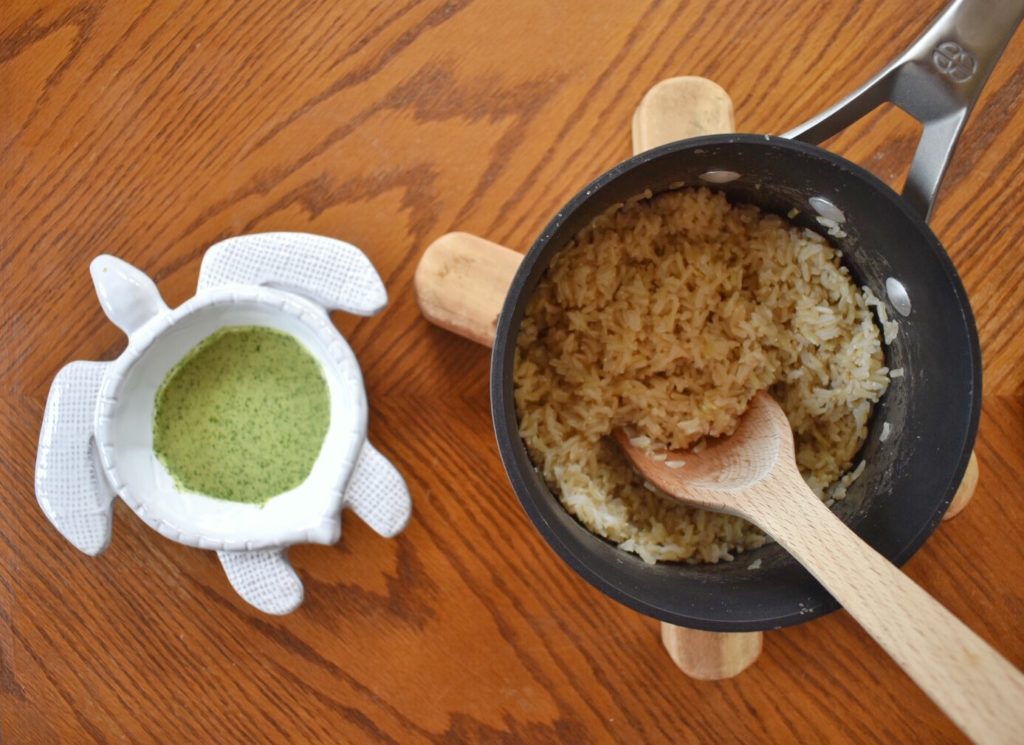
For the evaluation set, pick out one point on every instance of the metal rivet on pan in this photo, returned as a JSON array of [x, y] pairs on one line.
[[719, 177], [898, 296], [826, 209]]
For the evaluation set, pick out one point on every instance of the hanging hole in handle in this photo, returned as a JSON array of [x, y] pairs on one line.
[[888, 152], [937, 80]]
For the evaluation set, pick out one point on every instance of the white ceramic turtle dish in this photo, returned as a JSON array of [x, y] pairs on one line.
[[97, 435]]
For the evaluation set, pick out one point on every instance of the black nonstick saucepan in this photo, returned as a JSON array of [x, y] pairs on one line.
[[933, 410]]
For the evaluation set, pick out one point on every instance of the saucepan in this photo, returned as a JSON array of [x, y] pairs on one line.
[[910, 478]]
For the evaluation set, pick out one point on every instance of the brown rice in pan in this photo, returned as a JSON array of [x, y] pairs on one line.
[[666, 315]]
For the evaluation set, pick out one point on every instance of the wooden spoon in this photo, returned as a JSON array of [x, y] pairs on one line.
[[753, 474]]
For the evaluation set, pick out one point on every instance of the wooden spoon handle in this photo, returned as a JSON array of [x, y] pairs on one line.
[[462, 280], [976, 687]]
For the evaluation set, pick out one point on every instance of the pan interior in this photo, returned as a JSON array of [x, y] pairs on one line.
[[932, 411]]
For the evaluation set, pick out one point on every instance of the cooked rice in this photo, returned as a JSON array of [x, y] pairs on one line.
[[889, 328], [832, 226], [838, 490], [666, 315]]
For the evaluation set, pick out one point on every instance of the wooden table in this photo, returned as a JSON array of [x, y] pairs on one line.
[[151, 131]]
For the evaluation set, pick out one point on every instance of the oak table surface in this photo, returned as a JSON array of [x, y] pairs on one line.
[[151, 131]]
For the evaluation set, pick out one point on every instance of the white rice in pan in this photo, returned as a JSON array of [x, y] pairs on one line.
[[666, 315]]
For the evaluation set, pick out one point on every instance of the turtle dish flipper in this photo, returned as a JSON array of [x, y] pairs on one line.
[[378, 494], [70, 485], [331, 273], [264, 579]]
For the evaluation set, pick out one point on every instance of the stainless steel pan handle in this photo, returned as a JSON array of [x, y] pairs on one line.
[[937, 81]]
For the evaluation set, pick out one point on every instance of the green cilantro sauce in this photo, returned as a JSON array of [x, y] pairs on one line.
[[242, 416]]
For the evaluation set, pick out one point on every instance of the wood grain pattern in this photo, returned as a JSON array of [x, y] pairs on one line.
[[151, 130]]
